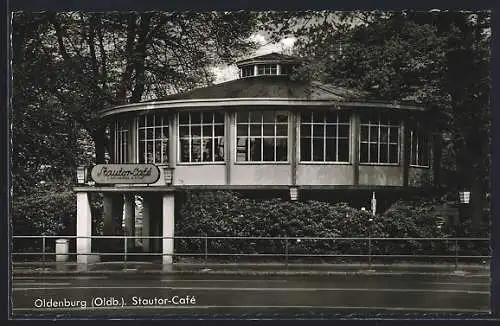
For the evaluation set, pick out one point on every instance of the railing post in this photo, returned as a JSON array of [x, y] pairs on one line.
[[370, 252], [43, 251], [206, 249], [125, 252], [456, 254], [286, 251]]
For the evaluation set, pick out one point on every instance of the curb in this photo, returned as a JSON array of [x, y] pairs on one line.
[[248, 273]]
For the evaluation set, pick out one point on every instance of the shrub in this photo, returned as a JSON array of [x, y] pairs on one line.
[[225, 213]]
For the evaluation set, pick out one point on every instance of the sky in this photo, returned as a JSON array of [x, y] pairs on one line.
[[225, 73]]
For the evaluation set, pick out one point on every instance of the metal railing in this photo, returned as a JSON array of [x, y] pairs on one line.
[[365, 249]]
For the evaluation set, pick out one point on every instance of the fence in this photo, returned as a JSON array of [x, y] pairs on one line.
[[283, 249]]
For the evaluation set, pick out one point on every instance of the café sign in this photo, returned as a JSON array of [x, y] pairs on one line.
[[125, 173]]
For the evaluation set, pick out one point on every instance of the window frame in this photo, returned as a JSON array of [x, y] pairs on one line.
[[202, 124], [262, 137], [379, 125], [164, 122], [267, 67], [324, 124], [424, 135], [121, 141]]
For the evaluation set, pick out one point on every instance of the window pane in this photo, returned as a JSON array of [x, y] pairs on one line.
[[141, 121], [241, 149], [281, 130], [242, 116], [331, 150], [364, 133], [318, 131], [268, 116], [158, 151], [373, 153], [305, 117], [268, 149], [158, 134], [281, 149], [165, 152], [281, 117], [255, 130], [219, 117], [344, 131], [424, 155], [331, 131], [318, 116], [183, 118], [318, 149], [149, 147], [305, 130], [219, 149], [195, 131], [255, 149], [242, 130], [393, 154], [343, 150], [219, 130], [394, 133], [184, 150], [149, 133], [142, 149], [305, 149], [363, 153], [384, 135], [384, 158], [165, 132], [207, 150], [142, 134], [207, 117], [374, 134], [255, 117], [196, 150], [195, 117], [207, 131], [331, 116], [183, 131], [268, 129]]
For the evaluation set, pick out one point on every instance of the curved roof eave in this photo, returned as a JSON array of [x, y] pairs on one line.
[[239, 102]]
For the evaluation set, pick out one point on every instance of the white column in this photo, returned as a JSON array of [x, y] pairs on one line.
[[129, 207], [83, 229], [168, 228], [146, 222]]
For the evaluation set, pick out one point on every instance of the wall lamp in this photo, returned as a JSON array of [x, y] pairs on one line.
[[464, 196], [81, 174], [294, 193], [168, 175]]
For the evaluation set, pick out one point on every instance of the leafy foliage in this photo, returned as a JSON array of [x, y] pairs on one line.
[[226, 214]]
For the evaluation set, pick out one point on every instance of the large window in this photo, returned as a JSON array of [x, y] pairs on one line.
[[201, 137], [247, 71], [324, 137], [419, 149], [268, 69], [153, 139], [262, 136], [121, 141], [379, 141]]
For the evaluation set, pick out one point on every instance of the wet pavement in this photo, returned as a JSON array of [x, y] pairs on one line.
[[212, 295]]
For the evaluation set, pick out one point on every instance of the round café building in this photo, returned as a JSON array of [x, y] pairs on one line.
[[264, 134]]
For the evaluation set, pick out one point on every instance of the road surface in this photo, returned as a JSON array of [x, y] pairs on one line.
[[219, 295]]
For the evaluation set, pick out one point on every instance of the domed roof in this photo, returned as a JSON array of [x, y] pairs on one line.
[[271, 87]]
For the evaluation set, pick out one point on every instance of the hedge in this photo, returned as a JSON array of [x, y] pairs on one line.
[[222, 213]]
